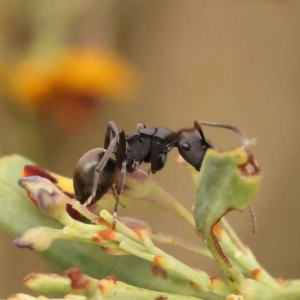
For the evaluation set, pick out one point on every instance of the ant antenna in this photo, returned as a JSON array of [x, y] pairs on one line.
[[246, 142], [198, 127], [253, 219]]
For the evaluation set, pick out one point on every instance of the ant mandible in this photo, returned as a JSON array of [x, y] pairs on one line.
[[96, 172]]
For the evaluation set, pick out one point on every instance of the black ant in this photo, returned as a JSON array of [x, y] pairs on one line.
[[96, 172]]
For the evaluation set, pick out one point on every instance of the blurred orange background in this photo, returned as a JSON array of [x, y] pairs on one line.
[[233, 61]]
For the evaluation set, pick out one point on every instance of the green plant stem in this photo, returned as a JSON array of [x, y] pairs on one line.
[[119, 226], [233, 275], [171, 240], [169, 262], [233, 236], [174, 204], [243, 257], [246, 263], [122, 291], [172, 264]]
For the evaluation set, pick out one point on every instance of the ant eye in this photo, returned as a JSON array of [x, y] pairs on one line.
[[186, 146]]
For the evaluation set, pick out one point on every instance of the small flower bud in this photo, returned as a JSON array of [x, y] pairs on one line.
[[47, 283], [38, 238], [51, 203], [33, 184]]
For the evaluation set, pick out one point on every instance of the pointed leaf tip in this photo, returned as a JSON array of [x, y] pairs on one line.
[[33, 184]]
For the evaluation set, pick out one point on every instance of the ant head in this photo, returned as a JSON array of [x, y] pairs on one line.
[[193, 147]]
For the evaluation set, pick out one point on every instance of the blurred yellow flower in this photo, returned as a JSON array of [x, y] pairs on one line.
[[72, 83]]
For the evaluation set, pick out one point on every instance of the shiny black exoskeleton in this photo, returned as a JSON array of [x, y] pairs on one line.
[[151, 145], [96, 172]]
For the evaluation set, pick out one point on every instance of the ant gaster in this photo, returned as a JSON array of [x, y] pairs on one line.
[[96, 172]]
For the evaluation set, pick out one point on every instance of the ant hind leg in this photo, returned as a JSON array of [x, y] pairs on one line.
[[100, 168]]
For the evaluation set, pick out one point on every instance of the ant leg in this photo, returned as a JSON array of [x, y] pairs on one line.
[[100, 168], [149, 171], [119, 187], [111, 127], [253, 219], [114, 191], [121, 149]]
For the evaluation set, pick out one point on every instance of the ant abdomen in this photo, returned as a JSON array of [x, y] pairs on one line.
[[84, 175]]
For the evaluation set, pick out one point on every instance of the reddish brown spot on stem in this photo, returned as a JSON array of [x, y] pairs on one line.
[[113, 251], [280, 280], [196, 285], [158, 260], [112, 278], [137, 231], [219, 249], [256, 273], [108, 234], [78, 279], [158, 271], [97, 220], [161, 298], [213, 279], [96, 239], [103, 222], [216, 283], [218, 230], [197, 233]]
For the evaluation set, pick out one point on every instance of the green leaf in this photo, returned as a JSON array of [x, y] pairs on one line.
[[227, 181], [18, 214]]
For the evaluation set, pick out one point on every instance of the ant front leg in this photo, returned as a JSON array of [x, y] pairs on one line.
[[111, 128], [121, 149]]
